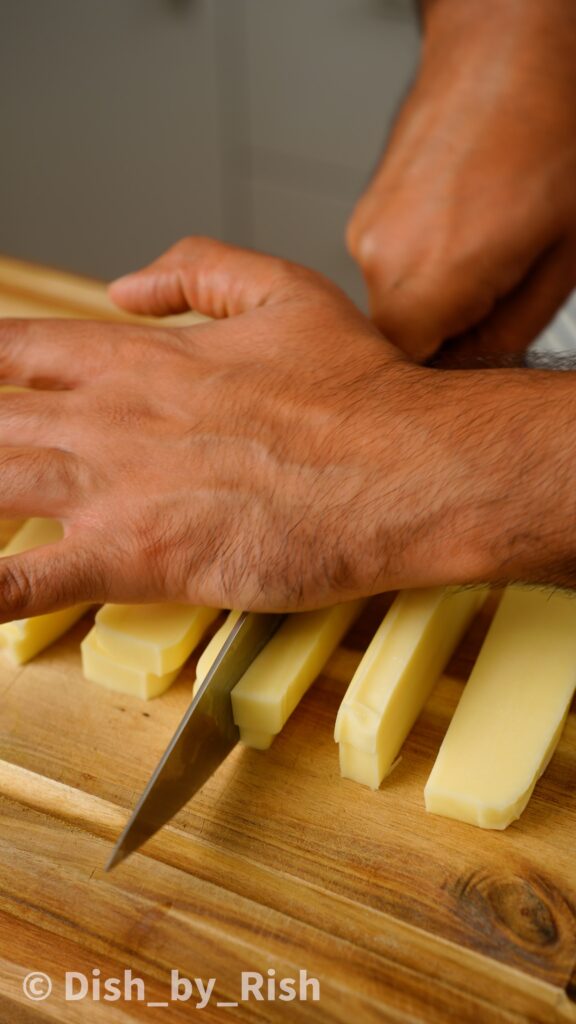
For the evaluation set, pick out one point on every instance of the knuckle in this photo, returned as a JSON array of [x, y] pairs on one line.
[[364, 238], [294, 281], [174, 253], [353, 236], [381, 263], [182, 246], [187, 247]]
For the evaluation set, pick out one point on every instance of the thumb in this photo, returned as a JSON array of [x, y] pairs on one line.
[[48, 578], [208, 276]]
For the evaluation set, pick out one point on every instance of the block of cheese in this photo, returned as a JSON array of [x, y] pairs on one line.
[[23, 639], [99, 667], [511, 712], [277, 680], [156, 638], [279, 677], [410, 649]]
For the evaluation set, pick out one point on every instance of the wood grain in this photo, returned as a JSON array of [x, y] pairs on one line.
[[277, 863]]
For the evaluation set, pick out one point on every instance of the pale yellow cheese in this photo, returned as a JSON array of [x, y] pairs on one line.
[[256, 740], [212, 649], [360, 766], [23, 639], [99, 667], [156, 638], [279, 677], [511, 712], [32, 534], [396, 675]]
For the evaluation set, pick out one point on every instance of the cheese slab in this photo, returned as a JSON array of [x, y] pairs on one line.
[[99, 667], [155, 638], [23, 639], [511, 713], [395, 677], [279, 677]]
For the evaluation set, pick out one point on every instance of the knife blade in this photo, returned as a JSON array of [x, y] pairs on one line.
[[203, 739]]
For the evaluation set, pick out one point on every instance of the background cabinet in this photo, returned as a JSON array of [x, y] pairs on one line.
[[126, 124]]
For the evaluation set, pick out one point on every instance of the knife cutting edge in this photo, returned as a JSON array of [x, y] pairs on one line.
[[203, 739]]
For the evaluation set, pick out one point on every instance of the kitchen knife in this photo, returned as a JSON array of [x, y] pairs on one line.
[[204, 738]]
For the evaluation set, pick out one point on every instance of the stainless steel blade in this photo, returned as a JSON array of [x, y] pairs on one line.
[[203, 739]]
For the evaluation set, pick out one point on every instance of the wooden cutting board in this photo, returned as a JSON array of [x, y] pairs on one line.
[[277, 864]]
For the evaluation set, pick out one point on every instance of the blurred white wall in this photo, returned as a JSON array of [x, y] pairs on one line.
[[126, 124]]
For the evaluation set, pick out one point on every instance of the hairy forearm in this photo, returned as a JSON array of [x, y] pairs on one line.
[[526, 458], [491, 494]]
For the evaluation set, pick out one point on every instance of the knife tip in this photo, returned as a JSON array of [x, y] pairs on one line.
[[116, 857]]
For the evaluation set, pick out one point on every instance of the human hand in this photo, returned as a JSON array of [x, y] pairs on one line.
[[283, 458], [234, 463], [467, 234]]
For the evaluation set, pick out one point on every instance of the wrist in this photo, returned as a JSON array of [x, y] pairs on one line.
[[481, 486], [530, 477], [513, 477]]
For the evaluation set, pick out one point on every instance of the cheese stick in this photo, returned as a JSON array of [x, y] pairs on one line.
[[393, 681], [99, 667], [141, 649], [511, 713], [156, 638], [23, 639], [279, 677]]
